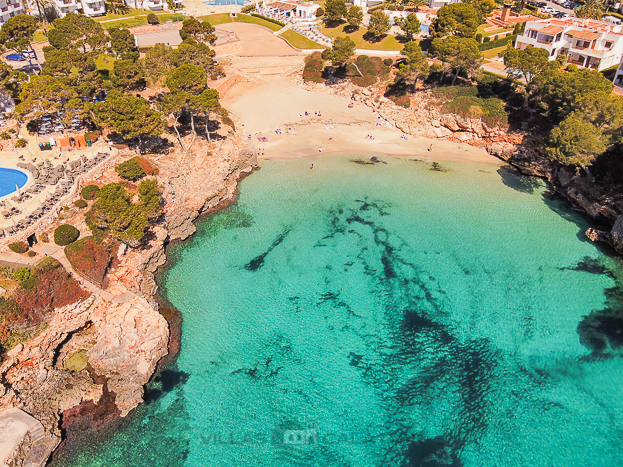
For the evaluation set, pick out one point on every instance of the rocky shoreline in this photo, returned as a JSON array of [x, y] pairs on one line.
[[95, 358]]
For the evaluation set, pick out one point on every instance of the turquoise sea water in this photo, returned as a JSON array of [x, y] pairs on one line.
[[383, 315]]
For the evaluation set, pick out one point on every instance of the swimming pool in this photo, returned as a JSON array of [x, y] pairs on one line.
[[9, 178]]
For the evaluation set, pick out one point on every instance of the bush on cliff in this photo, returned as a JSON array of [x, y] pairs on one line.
[[89, 192], [48, 286], [130, 170], [90, 259], [314, 67], [114, 212], [80, 203], [18, 247], [65, 234]]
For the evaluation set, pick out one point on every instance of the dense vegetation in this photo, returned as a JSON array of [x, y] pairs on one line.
[[130, 170], [89, 192], [37, 291], [113, 212], [72, 85], [90, 259]]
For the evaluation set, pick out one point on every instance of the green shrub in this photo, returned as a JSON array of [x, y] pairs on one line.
[[248, 8], [313, 68], [270, 20], [65, 234], [18, 247], [31, 254], [12, 131], [21, 143], [319, 12], [89, 192], [5, 135], [491, 111], [152, 19], [478, 38], [503, 41], [130, 170], [80, 203], [452, 92], [44, 237], [388, 61], [22, 274]]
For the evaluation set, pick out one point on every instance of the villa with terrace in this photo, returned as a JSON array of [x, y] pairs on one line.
[[587, 43], [151, 5]]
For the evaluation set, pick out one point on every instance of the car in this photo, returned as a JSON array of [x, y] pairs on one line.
[[548, 9], [540, 4], [15, 57], [28, 54], [562, 14]]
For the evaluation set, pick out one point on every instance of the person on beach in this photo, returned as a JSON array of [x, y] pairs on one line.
[[320, 150], [312, 167], [430, 148]]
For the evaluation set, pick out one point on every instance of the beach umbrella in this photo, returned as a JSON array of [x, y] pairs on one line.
[[18, 192]]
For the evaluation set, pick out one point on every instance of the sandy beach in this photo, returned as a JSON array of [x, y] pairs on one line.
[[270, 106]]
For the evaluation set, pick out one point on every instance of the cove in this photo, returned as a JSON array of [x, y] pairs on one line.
[[383, 314]]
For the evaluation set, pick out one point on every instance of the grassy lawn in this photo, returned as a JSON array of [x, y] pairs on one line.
[[129, 22], [127, 12], [299, 41], [256, 20], [104, 62], [39, 36], [493, 52], [389, 42], [481, 30], [220, 18]]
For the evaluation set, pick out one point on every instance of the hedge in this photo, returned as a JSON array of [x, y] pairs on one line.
[[65, 234], [18, 247], [270, 20], [497, 42], [90, 191], [152, 19]]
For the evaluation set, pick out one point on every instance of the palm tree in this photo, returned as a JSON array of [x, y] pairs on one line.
[[592, 9], [44, 7]]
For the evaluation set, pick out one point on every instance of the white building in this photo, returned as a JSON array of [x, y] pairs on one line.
[[618, 78], [439, 3], [365, 4], [586, 43], [297, 12], [152, 5], [63, 7], [8, 9], [93, 7]]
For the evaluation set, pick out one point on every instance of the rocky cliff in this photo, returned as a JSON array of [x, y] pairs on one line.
[[118, 342]]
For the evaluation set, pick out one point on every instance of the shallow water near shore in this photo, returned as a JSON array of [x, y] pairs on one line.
[[382, 314]]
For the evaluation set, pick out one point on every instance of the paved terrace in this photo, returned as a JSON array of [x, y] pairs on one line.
[[54, 177]]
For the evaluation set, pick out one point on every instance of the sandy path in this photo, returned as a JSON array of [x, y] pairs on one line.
[[277, 102]]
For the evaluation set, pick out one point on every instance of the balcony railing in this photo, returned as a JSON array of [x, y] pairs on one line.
[[541, 41], [4, 9]]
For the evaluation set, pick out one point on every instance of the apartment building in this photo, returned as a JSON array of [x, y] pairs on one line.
[[8, 9], [93, 7], [587, 43]]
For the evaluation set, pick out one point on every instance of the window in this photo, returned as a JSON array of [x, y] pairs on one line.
[[582, 44], [608, 45], [532, 33]]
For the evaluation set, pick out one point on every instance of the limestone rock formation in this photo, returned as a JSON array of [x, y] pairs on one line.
[[122, 342]]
